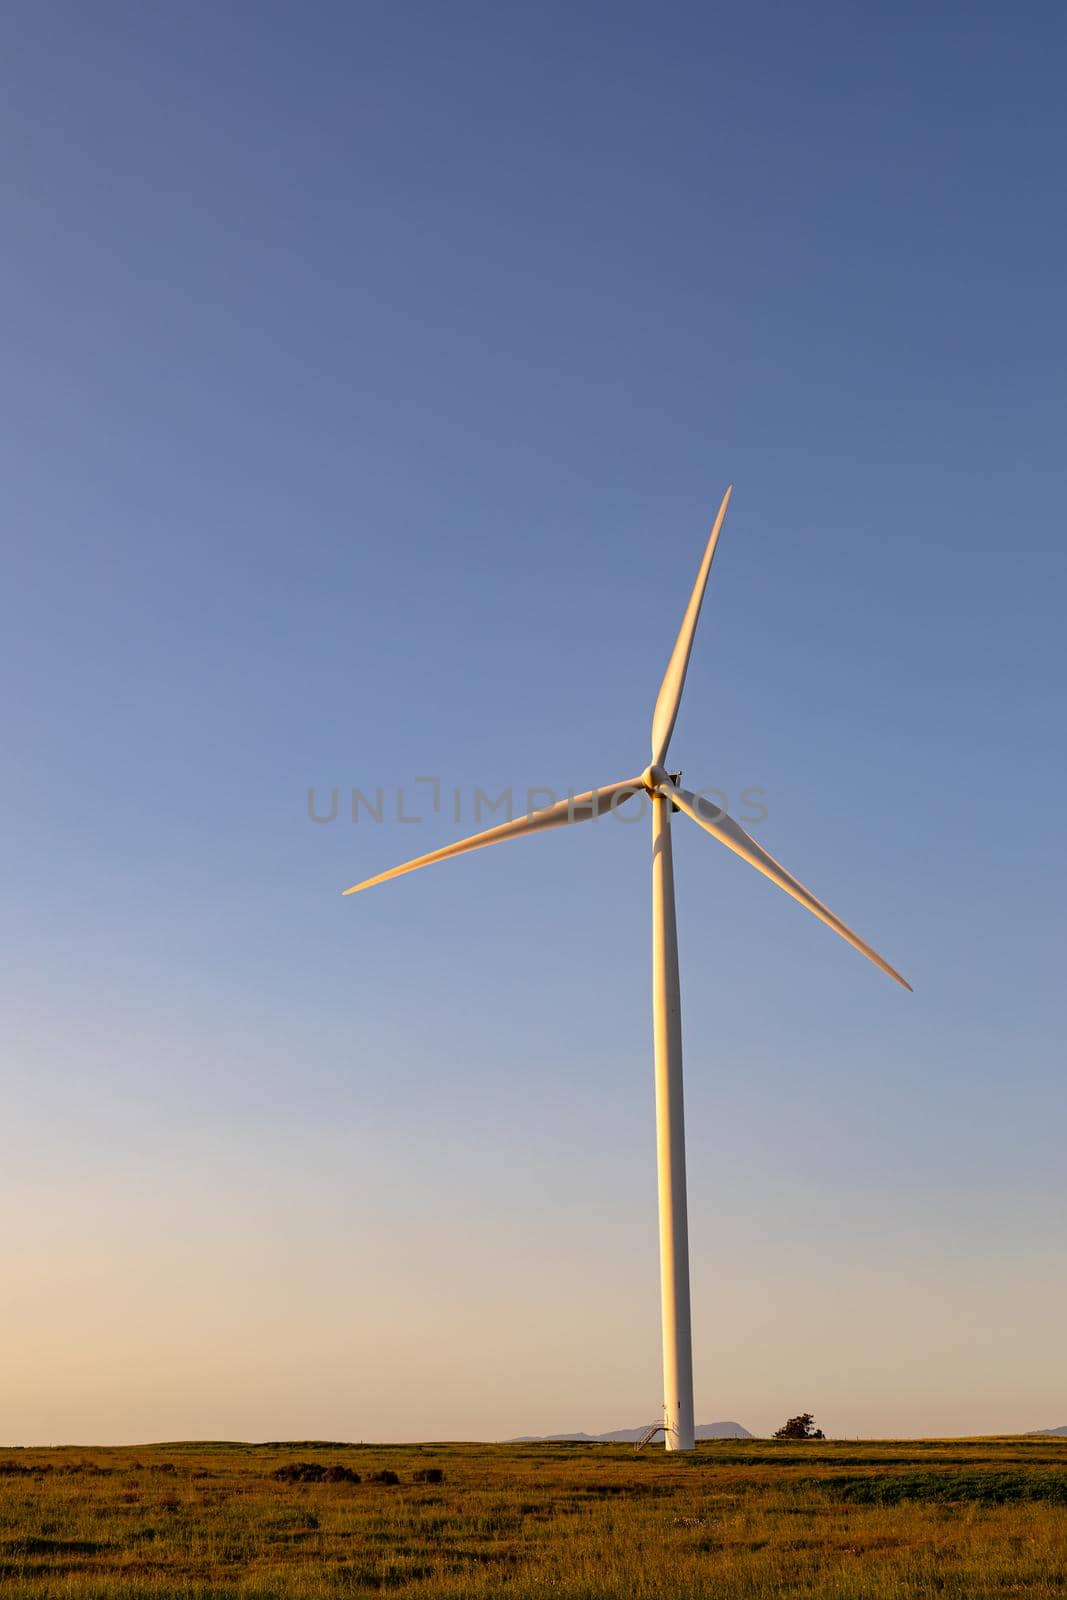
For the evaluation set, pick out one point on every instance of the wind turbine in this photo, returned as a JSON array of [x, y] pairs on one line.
[[666, 795]]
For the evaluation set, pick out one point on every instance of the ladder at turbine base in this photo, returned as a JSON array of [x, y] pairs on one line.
[[649, 1434]]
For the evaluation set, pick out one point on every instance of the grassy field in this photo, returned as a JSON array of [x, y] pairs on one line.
[[847, 1520]]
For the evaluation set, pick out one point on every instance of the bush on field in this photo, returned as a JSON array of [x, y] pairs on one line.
[[429, 1475], [385, 1476], [314, 1472]]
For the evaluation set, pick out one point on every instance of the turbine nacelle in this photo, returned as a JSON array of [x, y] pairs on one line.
[[654, 777]]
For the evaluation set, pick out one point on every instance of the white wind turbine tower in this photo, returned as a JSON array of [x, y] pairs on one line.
[[666, 1003]]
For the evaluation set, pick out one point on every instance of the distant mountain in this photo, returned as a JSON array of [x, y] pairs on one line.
[[1060, 1433], [707, 1430]]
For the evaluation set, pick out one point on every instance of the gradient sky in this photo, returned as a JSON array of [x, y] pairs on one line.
[[372, 374]]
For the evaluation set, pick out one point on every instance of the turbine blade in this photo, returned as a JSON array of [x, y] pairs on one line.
[[666, 710], [582, 808], [733, 836]]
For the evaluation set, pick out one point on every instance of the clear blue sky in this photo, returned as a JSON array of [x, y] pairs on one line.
[[371, 376]]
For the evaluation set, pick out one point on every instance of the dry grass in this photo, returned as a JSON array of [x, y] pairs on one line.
[[839, 1520]]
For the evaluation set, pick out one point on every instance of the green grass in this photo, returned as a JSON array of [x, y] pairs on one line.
[[954, 1488], [734, 1521]]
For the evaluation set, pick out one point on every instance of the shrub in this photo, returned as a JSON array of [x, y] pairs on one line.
[[300, 1472], [387, 1475], [314, 1472], [429, 1475]]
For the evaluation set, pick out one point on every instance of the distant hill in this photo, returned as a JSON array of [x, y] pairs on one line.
[[1060, 1433], [707, 1430]]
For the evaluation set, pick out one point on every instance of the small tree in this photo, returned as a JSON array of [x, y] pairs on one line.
[[802, 1427]]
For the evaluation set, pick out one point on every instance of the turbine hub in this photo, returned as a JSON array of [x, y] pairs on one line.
[[653, 777]]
